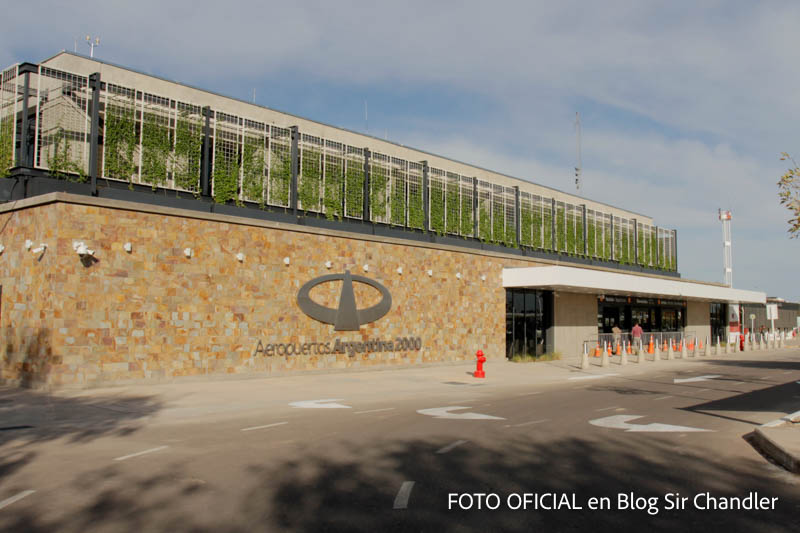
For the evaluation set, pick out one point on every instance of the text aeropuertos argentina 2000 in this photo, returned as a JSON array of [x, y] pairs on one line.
[[351, 348]]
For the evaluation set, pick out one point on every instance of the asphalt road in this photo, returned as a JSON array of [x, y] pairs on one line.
[[224, 458]]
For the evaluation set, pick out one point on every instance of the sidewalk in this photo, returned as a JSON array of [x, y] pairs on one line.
[[189, 399]]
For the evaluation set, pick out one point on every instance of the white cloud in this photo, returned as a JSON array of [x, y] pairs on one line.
[[686, 106]]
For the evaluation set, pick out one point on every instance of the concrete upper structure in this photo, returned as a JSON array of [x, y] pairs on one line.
[[173, 90], [584, 280]]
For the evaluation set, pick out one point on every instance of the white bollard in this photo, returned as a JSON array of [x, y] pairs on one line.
[[585, 358], [707, 351], [719, 347], [670, 352], [604, 359], [684, 354], [624, 359]]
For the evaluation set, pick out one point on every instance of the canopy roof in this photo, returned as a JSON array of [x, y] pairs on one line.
[[571, 279]]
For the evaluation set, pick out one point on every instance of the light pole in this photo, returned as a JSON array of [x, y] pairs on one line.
[[92, 44]]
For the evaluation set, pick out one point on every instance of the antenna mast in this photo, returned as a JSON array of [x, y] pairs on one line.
[[579, 167], [725, 218]]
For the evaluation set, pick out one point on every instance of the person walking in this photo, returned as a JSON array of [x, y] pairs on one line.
[[636, 333], [617, 332]]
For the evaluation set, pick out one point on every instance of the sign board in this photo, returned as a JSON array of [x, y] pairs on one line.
[[772, 311]]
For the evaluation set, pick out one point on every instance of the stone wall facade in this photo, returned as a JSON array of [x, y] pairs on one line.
[[153, 314]]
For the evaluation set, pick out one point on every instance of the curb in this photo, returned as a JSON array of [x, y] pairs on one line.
[[773, 449]]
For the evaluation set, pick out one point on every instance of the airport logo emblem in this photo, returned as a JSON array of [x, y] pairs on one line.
[[347, 317]]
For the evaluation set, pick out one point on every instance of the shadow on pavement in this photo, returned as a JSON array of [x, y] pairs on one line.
[[351, 486]]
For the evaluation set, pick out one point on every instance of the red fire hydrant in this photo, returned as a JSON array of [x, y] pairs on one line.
[[479, 373]]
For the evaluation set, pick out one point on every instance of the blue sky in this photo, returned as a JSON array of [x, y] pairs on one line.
[[685, 106]]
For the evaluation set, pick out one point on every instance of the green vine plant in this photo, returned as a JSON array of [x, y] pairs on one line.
[[378, 181], [61, 162], [354, 188], [579, 236], [437, 204], [188, 152], [526, 225], [561, 236], [640, 247], [591, 238], [398, 197], [536, 221], [156, 149], [547, 229], [334, 177], [310, 179], [416, 208], [226, 171], [624, 249], [119, 142], [571, 244], [280, 173], [452, 220], [653, 243], [6, 145], [607, 240], [484, 222], [253, 168], [510, 236], [498, 223], [466, 222]]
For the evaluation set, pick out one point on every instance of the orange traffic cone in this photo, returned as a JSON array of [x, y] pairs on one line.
[[690, 346], [700, 346], [629, 349], [610, 352], [650, 346], [665, 348], [619, 348], [597, 350]]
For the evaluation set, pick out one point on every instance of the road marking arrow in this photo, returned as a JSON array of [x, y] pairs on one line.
[[444, 412], [320, 404], [698, 378], [621, 422]]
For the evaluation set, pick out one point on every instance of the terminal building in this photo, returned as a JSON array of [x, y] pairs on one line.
[[153, 230]]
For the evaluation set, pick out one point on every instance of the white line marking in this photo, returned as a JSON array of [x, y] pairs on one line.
[[623, 422], [444, 412], [401, 500], [451, 446], [151, 450], [608, 408], [530, 393], [787, 372], [373, 411], [695, 379], [739, 383], [264, 427], [662, 398], [531, 422], [18, 497], [596, 376], [465, 400], [320, 404], [765, 377], [703, 390]]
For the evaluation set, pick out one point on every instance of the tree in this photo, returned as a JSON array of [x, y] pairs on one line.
[[789, 193]]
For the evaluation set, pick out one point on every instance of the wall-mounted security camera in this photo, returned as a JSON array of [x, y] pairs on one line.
[[81, 249], [128, 247], [188, 252], [28, 244], [240, 257], [42, 247]]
